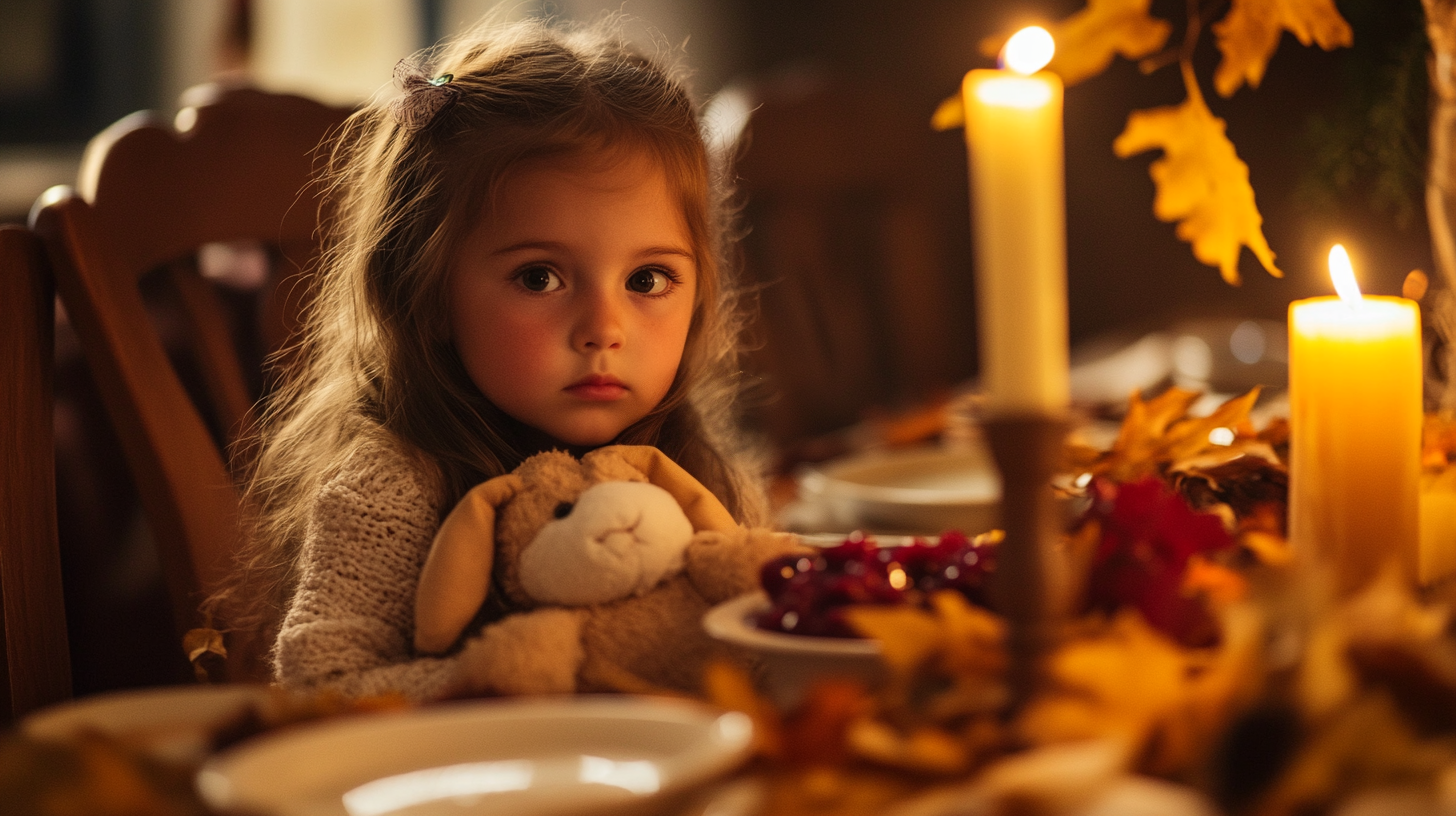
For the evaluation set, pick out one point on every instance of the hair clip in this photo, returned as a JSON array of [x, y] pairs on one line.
[[424, 96]]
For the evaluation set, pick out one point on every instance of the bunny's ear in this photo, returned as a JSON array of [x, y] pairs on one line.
[[699, 504], [456, 576]]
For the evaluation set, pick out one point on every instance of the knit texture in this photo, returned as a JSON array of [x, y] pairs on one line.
[[350, 623]]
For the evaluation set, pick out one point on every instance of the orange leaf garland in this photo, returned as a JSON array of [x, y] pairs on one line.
[[1201, 182], [1249, 34]]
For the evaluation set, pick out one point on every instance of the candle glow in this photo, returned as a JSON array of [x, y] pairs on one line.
[[1342, 273], [1028, 51]]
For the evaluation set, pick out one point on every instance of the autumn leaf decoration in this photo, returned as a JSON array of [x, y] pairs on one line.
[[1248, 35], [1201, 183]]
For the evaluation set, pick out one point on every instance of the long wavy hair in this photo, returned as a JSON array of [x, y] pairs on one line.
[[376, 357]]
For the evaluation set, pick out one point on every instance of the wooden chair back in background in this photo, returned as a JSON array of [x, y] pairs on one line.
[[32, 607], [237, 167], [858, 245]]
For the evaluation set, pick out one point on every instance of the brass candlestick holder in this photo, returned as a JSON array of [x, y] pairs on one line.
[[1030, 575]]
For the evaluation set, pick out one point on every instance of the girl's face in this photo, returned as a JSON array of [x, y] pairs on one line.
[[571, 299]]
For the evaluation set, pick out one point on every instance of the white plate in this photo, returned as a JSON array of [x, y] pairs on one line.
[[172, 722], [791, 663], [544, 756]]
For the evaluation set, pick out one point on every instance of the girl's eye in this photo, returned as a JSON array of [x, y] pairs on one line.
[[539, 279], [650, 281]]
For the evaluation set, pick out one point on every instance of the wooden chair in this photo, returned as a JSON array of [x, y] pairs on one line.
[[32, 608], [236, 167], [858, 245]]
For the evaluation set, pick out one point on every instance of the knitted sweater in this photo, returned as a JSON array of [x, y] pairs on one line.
[[350, 623]]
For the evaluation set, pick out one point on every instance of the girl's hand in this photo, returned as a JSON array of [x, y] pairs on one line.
[[537, 652]]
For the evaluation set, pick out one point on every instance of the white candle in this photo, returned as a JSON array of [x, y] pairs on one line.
[[1014, 144], [1355, 430]]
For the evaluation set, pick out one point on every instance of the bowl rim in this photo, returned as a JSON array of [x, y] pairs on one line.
[[728, 622], [123, 710], [829, 479], [721, 741]]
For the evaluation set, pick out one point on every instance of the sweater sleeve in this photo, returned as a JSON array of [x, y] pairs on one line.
[[350, 623]]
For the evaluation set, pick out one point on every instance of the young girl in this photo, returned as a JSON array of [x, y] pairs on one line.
[[526, 257]]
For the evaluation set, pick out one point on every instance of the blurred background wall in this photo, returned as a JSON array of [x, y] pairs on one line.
[[70, 67]]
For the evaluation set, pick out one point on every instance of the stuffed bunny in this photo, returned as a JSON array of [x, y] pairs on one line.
[[608, 563]]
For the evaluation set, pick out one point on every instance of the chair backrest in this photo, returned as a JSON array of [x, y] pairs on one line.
[[236, 167], [858, 243], [32, 608]]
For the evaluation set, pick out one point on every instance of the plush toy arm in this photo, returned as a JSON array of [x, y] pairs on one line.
[[726, 565], [536, 652], [456, 575]]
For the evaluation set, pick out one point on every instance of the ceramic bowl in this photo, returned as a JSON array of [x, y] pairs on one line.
[[791, 663], [171, 722]]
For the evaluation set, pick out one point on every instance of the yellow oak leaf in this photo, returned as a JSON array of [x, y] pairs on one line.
[[1249, 34], [1088, 40], [1201, 182]]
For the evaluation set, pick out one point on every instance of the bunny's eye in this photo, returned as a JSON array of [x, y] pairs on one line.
[[563, 510]]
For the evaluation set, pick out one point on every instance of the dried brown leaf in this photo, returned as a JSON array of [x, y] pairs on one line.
[[1167, 408], [199, 642], [1136, 451], [206, 652], [1191, 436], [1157, 437]]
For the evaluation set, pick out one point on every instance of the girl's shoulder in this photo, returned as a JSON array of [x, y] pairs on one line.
[[377, 463]]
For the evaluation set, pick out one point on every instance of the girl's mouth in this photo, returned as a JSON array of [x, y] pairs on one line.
[[598, 388]]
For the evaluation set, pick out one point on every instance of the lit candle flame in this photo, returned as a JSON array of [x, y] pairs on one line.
[[1028, 50], [1343, 275]]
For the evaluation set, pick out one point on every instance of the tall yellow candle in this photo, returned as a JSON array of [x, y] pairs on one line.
[[1014, 144], [1355, 430]]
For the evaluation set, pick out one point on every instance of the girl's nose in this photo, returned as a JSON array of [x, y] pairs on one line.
[[599, 324]]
